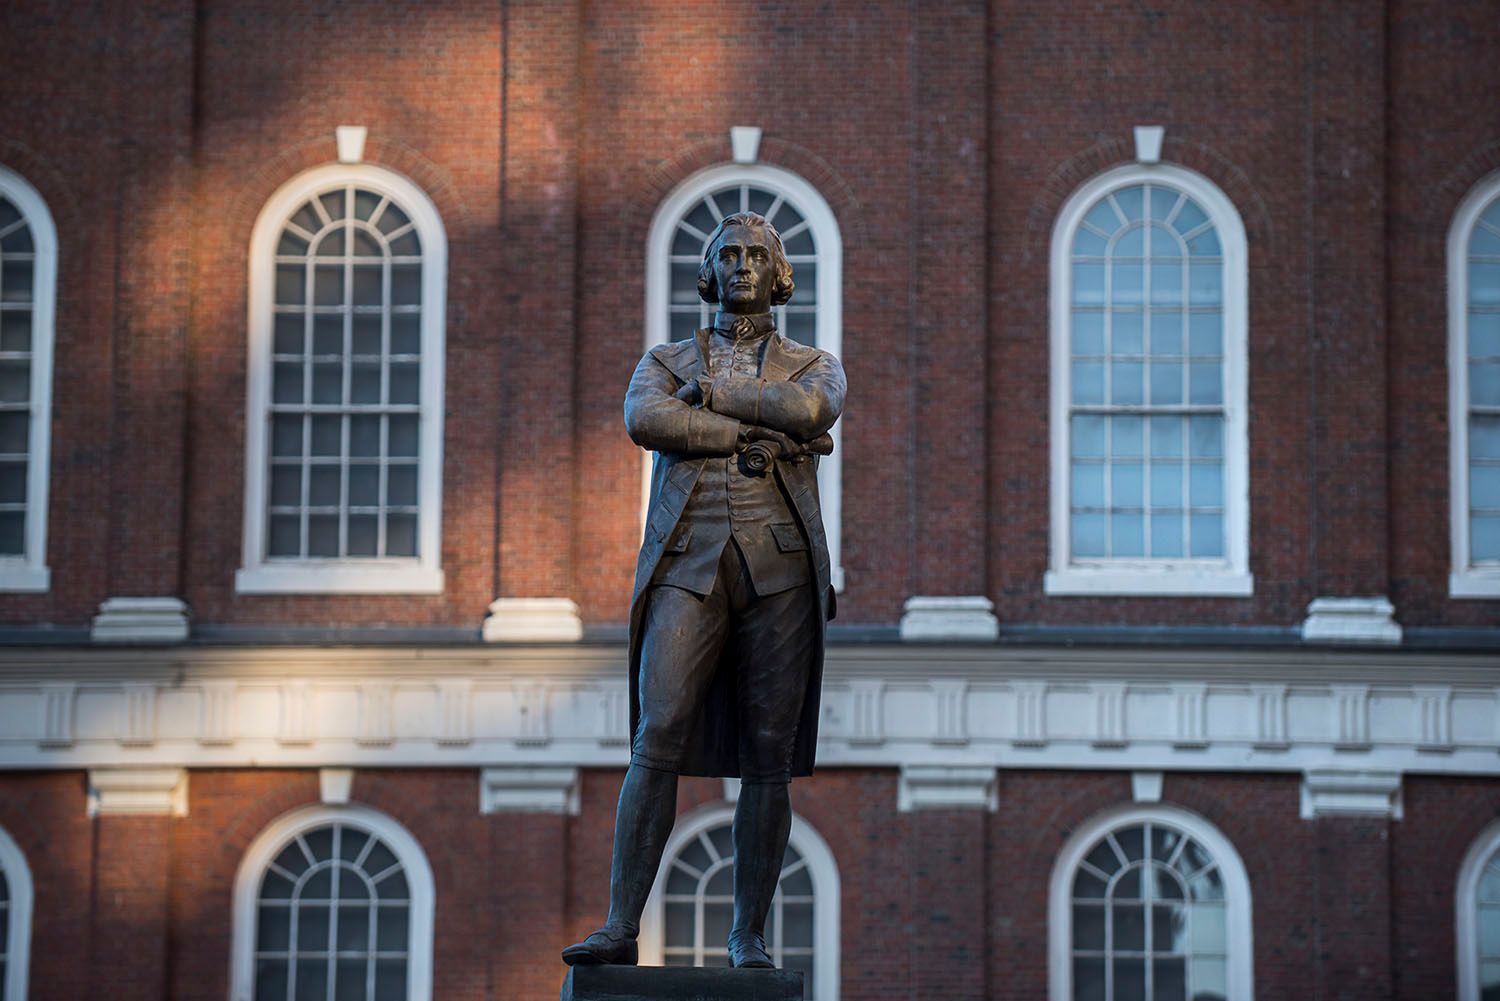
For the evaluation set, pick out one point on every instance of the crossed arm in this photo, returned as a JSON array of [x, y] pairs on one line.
[[732, 410]]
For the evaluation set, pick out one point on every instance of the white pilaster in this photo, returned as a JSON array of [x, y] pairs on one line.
[[964, 617], [141, 620], [533, 620]]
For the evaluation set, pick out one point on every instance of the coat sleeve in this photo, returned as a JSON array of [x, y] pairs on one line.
[[657, 420], [803, 407]]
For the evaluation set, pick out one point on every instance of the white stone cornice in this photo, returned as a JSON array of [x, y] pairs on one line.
[[883, 706], [141, 620], [138, 792], [1351, 621], [533, 620], [966, 618]]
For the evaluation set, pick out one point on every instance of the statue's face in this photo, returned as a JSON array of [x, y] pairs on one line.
[[744, 269]]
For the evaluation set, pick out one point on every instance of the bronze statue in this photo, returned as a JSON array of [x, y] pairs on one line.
[[732, 587]]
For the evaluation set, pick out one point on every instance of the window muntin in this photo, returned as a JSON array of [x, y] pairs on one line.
[[1477, 918], [699, 907], [346, 380], [1482, 372], [1146, 422], [796, 319], [1149, 921], [1487, 924]]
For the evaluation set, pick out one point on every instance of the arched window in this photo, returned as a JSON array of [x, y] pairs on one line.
[[15, 920], [1474, 392], [1149, 903], [28, 292], [344, 439], [1478, 919], [333, 903], [1149, 431], [691, 908], [810, 234]]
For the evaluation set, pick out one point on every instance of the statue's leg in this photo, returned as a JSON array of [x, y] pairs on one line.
[[774, 638], [684, 635], [762, 822]]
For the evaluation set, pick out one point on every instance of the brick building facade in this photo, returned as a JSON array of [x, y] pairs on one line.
[[1285, 662]]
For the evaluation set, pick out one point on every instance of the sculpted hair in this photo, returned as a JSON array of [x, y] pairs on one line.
[[708, 286]]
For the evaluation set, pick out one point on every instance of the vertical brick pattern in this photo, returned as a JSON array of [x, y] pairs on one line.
[[949, 884], [538, 331], [153, 228], [130, 932], [1353, 909], [1347, 253]]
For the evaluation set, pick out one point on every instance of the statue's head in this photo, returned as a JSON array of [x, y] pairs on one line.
[[744, 267]]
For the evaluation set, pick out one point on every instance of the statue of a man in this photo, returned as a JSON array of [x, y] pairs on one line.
[[732, 587]]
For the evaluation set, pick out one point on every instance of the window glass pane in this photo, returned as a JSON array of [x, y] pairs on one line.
[[1166, 534], [1206, 484], [406, 284], [1205, 334], [286, 382], [333, 203], [1205, 383], [405, 382], [285, 539], [1126, 387], [323, 535], [1088, 382], [1127, 535], [12, 491], [368, 285], [1207, 929], [1484, 384], [1088, 435], [1088, 926], [364, 485], [1169, 980], [1166, 383], [328, 285], [1164, 246], [1484, 282], [1088, 979], [15, 381], [365, 334], [401, 535], [1088, 485], [364, 383], [1484, 486], [270, 980], [12, 533], [1207, 534], [1166, 485], [286, 485], [1166, 333], [1088, 332], [1484, 538], [1088, 535], [1204, 284], [1127, 283], [1127, 333], [1126, 436], [406, 334], [327, 431], [1205, 437], [1484, 335], [1131, 243], [363, 244], [16, 281], [1129, 923], [1087, 243], [1125, 484], [1088, 283], [328, 335], [14, 429], [390, 980], [1131, 202], [1484, 437], [1103, 217], [328, 383], [287, 338], [1166, 283], [1189, 217], [1207, 976], [401, 485]]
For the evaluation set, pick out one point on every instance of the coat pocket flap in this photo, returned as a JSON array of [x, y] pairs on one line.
[[679, 542], [788, 538]]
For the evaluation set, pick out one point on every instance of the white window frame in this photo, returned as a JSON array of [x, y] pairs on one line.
[[1465, 580], [277, 835], [30, 573], [1147, 576], [422, 574], [829, 291], [1466, 917], [18, 944], [1240, 944], [821, 868]]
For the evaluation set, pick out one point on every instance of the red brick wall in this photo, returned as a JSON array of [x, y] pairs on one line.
[[945, 136], [937, 904]]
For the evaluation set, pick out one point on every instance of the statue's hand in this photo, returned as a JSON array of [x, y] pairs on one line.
[[696, 392], [784, 446]]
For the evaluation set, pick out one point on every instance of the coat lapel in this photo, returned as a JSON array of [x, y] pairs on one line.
[[685, 359], [780, 364]]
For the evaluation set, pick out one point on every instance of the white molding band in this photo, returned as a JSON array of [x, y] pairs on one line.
[[511, 789], [423, 573], [1333, 792], [1351, 620], [1230, 576], [884, 705], [956, 617], [29, 572], [829, 298], [277, 835], [159, 792], [935, 787], [533, 620], [141, 620], [17, 945]]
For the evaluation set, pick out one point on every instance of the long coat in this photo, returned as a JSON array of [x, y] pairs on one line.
[[801, 393]]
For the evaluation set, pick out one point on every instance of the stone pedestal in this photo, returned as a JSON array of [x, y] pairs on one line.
[[679, 983]]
